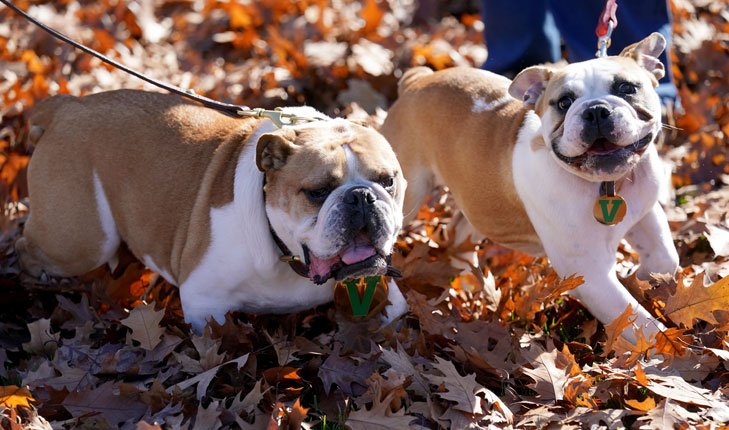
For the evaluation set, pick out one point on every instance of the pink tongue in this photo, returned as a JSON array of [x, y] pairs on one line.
[[360, 250], [320, 267]]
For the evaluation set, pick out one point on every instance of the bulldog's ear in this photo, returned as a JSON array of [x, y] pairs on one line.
[[274, 148], [529, 84], [646, 53]]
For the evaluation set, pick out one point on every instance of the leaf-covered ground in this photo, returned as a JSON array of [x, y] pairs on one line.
[[501, 347]]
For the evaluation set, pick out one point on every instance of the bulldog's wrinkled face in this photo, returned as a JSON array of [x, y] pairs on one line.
[[334, 195], [598, 116]]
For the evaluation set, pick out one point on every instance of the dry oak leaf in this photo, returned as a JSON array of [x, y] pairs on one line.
[[207, 348], [646, 405], [698, 301], [551, 371], [379, 417], [540, 417], [593, 419], [144, 322], [248, 402], [676, 388], [402, 363], [208, 418], [205, 378], [464, 390], [348, 374], [616, 328], [102, 400], [291, 418], [12, 396], [665, 416], [42, 341]]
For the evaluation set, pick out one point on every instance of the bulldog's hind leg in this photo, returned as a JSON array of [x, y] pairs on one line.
[[651, 237], [70, 229]]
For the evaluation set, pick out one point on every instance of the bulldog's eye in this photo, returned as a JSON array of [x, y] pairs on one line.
[[387, 183], [627, 88], [564, 103], [318, 195]]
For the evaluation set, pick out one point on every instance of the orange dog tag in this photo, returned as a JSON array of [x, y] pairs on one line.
[[609, 208], [361, 299]]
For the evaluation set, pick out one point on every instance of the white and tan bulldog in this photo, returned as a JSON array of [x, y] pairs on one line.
[[525, 161], [183, 187]]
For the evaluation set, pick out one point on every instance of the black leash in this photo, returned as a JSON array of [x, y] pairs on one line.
[[229, 109]]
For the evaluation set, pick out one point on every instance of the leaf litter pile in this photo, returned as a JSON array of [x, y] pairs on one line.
[[499, 346]]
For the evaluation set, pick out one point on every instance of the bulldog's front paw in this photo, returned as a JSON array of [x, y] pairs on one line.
[[664, 261]]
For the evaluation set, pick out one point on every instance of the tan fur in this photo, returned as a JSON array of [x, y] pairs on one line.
[[439, 139], [162, 162], [411, 76]]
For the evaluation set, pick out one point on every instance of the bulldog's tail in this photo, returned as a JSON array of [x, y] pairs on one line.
[[411, 76], [41, 115]]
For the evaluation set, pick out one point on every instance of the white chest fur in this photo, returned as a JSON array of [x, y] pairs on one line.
[[241, 268]]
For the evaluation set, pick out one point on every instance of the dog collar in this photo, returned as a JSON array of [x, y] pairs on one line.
[[609, 208], [294, 261]]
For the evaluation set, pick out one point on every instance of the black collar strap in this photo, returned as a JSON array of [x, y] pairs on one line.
[[294, 261]]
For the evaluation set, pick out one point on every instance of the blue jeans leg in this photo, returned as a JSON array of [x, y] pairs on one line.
[[518, 34]]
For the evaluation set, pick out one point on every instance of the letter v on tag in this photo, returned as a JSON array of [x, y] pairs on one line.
[[609, 208], [361, 298]]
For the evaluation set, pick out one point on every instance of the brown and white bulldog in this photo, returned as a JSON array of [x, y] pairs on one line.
[[525, 161], [183, 187]]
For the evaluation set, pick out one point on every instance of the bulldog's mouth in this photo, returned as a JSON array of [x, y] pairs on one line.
[[355, 260], [603, 150]]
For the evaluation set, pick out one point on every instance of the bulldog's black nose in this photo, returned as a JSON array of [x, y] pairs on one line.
[[596, 114], [359, 196]]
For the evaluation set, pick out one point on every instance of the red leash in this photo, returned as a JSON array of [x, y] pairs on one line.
[[607, 16], [605, 26]]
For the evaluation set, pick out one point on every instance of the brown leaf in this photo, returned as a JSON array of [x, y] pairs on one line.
[[698, 301], [204, 379], [646, 405], [348, 374], [144, 321], [550, 380], [12, 396], [672, 342], [42, 341], [616, 328], [207, 418], [207, 348], [379, 417], [102, 400], [251, 400], [463, 390], [666, 415], [676, 388], [402, 363]]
